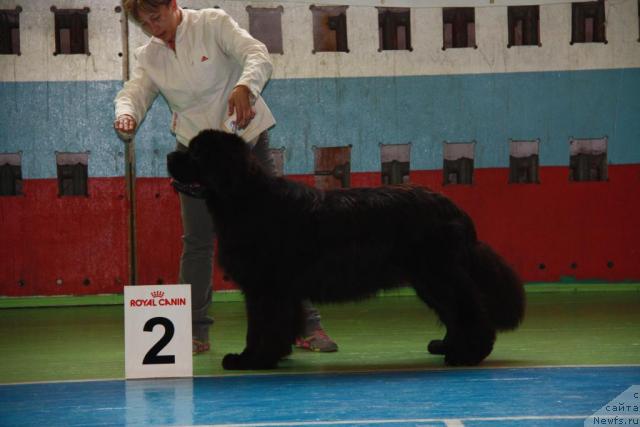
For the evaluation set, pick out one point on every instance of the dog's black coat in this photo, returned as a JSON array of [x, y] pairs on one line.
[[284, 242]]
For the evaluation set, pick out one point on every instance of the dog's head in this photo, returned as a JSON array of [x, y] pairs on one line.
[[217, 160]]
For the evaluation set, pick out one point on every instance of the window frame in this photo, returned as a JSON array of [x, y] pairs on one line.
[[15, 45], [533, 162], [395, 159], [578, 12], [457, 18], [340, 170], [12, 163], [388, 18], [515, 12], [459, 162], [74, 167], [583, 152], [333, 13], [262, 12], [73, 14]]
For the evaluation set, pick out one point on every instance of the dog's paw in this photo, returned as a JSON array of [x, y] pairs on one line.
[[238, 362], [462, 359], [232, 362], [467, 354], [454, 355], [437, 347]]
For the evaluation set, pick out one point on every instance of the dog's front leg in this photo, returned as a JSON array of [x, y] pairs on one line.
[[269, 320]]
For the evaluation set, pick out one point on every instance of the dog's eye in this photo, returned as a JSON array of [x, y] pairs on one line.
[[195, 155]]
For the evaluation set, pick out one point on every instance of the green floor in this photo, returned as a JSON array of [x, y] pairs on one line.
[[386, 333]]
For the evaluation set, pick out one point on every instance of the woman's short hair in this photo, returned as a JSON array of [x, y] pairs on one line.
[[133, 7]]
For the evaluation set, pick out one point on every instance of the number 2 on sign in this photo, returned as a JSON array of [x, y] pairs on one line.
[[152, 357]]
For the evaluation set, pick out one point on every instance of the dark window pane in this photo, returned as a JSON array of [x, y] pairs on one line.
[[329, 28], [72, 174], [588, 160], [524, 25], [394, 26], [588, 22], [523, 170], [71, 26], [458, 163], [10, 180], [265, 24], [458, 27], [588, 167], [395, 159], [332, 167], [10, 32], [458, 171]]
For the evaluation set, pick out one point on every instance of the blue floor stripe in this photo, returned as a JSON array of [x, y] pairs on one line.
[[477, 398]]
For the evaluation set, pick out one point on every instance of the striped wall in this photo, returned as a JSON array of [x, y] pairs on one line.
[[551, 231]]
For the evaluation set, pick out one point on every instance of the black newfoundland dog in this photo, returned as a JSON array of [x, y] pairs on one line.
[[284, 242]]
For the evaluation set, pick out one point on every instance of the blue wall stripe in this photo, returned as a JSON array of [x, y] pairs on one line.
[[488, 108], [42, 117]]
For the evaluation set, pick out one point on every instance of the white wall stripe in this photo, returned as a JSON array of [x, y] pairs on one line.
[[37, 62]]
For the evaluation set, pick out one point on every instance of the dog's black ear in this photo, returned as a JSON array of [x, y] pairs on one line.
[[181, 167]]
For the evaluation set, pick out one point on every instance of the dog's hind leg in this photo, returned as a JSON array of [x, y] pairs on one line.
[[470, 335], [271, 330]]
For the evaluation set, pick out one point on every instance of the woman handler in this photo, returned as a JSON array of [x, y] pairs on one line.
[[211, 72]]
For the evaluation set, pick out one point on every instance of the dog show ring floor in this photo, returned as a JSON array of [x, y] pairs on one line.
[[574, 361]]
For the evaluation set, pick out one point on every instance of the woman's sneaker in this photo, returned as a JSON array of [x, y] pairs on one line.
[[317, 341], [200, 346]]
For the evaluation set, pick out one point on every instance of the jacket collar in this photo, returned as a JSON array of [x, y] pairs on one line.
[[182, 25]]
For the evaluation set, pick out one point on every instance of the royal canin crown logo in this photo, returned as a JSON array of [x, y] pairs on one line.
[[157, 294]]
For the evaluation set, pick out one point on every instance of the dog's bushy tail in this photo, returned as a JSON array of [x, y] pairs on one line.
[[500, 286]]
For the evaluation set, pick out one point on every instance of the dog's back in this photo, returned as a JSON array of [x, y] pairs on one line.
[[354, 242]]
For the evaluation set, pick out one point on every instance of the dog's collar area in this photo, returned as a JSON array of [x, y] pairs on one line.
[[193, 189]]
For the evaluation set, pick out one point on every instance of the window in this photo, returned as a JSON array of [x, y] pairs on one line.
[[395, 163], [332, 167], [458, 163], [394, 28], [524, 25], [277, 157], [588, 159], [72, 174], [72, 33], [10, 174], [329, 28], [265, 24], [523, 162], [459, 27], [587, 22], [10, 31]]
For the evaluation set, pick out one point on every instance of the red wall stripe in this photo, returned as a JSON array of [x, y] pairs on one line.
[[553, 231], [64, 245]]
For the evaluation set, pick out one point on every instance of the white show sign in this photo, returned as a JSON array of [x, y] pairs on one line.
[[157, 323]]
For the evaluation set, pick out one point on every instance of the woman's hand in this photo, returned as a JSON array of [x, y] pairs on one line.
[[240, 102], [125, 125]]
